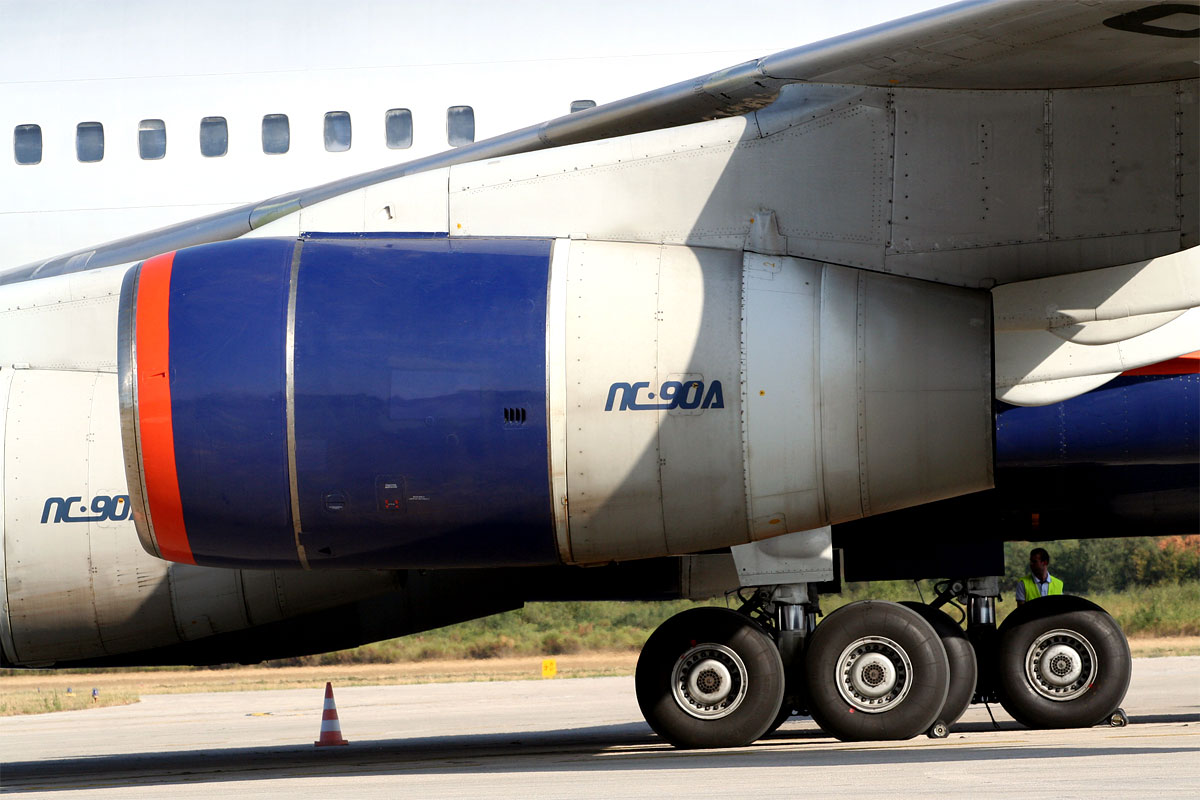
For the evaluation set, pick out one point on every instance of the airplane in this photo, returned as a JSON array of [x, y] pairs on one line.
[[863, 309]]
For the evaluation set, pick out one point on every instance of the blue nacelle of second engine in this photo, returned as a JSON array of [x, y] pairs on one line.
[[1131, 420], [416, 373]]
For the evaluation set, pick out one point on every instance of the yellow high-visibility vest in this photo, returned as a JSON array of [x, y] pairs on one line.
[[1032, 592]]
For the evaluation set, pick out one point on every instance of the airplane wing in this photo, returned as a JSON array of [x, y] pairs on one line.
[[978, 44]]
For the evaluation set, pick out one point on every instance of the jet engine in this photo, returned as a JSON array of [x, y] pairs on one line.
[[384, 401]]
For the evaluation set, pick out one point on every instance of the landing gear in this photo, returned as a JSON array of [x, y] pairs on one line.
[[1064, 663], [876, 670], [710, 677], [714, 677]]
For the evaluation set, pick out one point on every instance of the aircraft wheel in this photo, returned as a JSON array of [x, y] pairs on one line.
[[709, 677], [876, 670], [792, 704], [964, 668], [1064, 663]]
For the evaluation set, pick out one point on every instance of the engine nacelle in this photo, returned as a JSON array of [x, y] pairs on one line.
[[339, 401], [382, 401]]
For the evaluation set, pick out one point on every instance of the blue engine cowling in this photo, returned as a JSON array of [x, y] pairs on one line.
[[340, 401]]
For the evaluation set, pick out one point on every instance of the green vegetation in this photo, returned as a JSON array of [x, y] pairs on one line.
[[1091, 566], [1163, 610]]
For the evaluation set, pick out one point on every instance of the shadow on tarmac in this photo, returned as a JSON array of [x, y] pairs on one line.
[[599, 749]]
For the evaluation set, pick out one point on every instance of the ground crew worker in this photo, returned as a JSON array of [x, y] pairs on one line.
[[1039, 582]]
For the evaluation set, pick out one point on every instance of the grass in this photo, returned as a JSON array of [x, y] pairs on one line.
[[1163, 610], [38, 701]]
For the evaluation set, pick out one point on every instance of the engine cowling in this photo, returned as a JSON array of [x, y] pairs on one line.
[[386, 401], [339, 401]]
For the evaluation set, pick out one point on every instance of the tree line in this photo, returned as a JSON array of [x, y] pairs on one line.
[[1088, 566]]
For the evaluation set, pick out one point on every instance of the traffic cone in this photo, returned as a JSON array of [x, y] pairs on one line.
[[331, 729]]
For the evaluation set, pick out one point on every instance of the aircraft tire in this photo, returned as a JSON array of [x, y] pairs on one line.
[[964, 667], [791, 704], [709, 677], [1064, 663], [876, 671]]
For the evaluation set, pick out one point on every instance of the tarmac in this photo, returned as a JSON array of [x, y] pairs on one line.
[[576, 738]]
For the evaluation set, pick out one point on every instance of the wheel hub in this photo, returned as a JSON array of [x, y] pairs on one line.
[[874, 674], [709, 681], [1061, 664]]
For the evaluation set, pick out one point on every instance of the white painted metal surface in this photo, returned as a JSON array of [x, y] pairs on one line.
[[1059, 336], [844, 393], [968, 188], [51, 412], [968, 170], [613, 475], [797, 557], [780, 340], [1034, 367], [6, 641], [556, 392], [1112, 151], [887, 403], [1071, 305], [64, 322]]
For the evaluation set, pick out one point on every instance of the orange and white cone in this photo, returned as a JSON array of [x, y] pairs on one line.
[[331, 729]]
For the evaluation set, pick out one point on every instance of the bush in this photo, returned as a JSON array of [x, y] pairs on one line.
[[555, 645], [1108, 565]]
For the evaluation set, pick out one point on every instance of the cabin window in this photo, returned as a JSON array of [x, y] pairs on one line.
[[580, 105], [152, 139], [89, 141], [214, 137], [276, 134], [27, 144], [337, 131], [397, 125], [460, 125]]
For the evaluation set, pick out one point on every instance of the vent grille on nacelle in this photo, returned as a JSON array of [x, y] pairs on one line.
[[514, 416]]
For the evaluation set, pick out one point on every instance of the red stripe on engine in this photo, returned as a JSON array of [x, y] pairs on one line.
[[1184, 365], [154, 410]]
